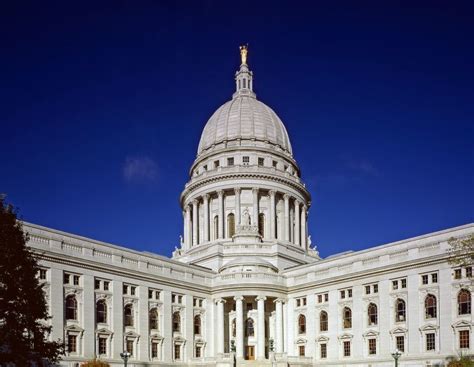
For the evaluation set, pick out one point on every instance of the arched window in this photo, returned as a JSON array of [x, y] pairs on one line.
[[261, 224], [153, 319], [301, 324], [430, 306], [372, 314], [347, 318], [71, 308], [216, 227], [197, 325], [234, 328], [128, 315], [323, 321], [230, 225], [249, 329], [464, 302], [400, 310], [101, 311], [176, 322]]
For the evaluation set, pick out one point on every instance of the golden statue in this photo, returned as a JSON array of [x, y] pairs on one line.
[[243, 54]]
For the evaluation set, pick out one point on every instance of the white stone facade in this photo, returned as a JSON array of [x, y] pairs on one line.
[[245, 286]]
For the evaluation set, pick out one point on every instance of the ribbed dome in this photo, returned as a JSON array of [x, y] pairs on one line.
[[244, 117]]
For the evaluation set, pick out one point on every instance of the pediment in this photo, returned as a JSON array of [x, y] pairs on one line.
[[75, 328], [345, 336], [131, 334], [461, 323], [429, 327], [104, 331], [322, 339], [370, 333], [300, 341], [398, 330], [156, 337]]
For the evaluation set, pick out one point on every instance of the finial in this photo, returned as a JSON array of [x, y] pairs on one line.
[[243, 53]]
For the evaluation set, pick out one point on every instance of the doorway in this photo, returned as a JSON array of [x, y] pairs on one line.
[[250, 353]]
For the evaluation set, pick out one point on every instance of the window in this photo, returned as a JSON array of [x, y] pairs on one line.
[[424, 279], [230, 161], [249, 306], [464, 302], [150, 294], [216, 227], [249, 329], [216, 164], [72, 343], [76, 279], [102, 346], [376, 288], [261, 162], [125, 289], [42, 274], [372, 346], [468, 272], [326, 297], [128, 315], [129, 347], [430, 306], [323, 350], [394, 285], [430, 341], [132, 291], [197, 325], [400, 341], [372, 314], [301, 324], [245, 160], [71, 308], [343, 294], [153, 319], [347, 318], [66, 278], [400, 310], [101, 311], [96, 284], [301, 350], [404, 283], [320, 298], [457, 274], [347, 348], [197, 352], [434, 278], [177, 352], [349, 293], [230, 225], [106, 285], [464, 339], [323, 321], [154, 350], [261, 224], [176, 322], [367, 289], [204, 167], [274, 164]]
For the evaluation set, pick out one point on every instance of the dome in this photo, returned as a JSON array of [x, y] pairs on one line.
[[245, 118]]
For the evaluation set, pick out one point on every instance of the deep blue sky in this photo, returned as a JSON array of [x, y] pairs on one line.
[[102, 105]]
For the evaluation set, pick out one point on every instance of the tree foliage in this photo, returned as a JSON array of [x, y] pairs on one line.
[[24, 329], [461, 251], [95, 363], [462, 361]]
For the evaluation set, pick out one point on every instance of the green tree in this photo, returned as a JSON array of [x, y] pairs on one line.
[[95, 363], [461, 251], [24, 330]]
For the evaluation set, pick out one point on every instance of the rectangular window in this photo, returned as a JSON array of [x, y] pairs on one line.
[[154, 350], [245, 160], [304, 301], [230, 161], [434, 278], [468, 272], [301, 350], [376, 288], [394, 285], [324, 351], [125, 289], [320, 298], [217, 164], [198, 352], [261, 162], [298, 302], [106, 286], [464, 339], [157, 294], [404, 283], [102, 346], [96, 284], [177, 352], [132, 291], [76, 279], [343, 294], [457, 274], [349, 293], [372, 346], [430, 341], [180, 299], [66, 278], [150, 294], [347, 349], [42, 274], [424, 279], [130, 347], [326, 297], [400, 343], [72, 343], [274, 164], [367, 289]]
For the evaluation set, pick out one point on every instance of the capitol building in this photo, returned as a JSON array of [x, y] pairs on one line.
[[246, 286]]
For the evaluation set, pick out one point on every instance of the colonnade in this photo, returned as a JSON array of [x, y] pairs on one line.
[[239, 323], [296, 234]]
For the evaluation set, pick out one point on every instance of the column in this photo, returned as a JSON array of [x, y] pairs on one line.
[[188, 228], [303, 227], [239, 324], [272, 214], [206, 217], [297, 222], [261, 327], [220, 196], [279, 325], [255, 207], [195, 223], [237, 206], [183, 245], [286, 197], [220, 325]]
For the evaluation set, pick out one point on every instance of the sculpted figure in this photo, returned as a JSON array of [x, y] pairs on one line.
[[246, 218]]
